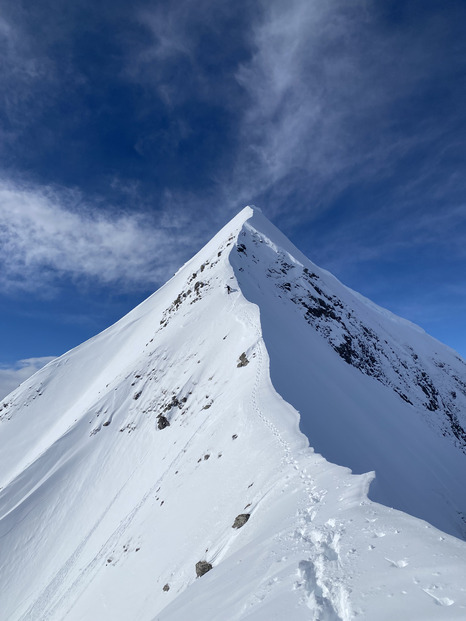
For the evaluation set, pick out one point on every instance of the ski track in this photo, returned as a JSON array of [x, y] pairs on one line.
[[89, 571], [38, 610], [324, 593], [258, 379]]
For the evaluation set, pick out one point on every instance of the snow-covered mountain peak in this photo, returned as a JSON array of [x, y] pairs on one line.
[[175, 444]]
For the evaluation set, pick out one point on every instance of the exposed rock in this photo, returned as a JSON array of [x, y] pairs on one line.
[[202, 567], [198, 285], [162, 422], [243, 361], [166, 587], [174, 403], [240, 520]]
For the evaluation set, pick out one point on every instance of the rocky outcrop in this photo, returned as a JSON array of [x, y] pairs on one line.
[[202, 567], [240, 520]]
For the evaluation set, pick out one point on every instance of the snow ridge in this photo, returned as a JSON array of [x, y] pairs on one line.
[[433, 381], [127, 461]]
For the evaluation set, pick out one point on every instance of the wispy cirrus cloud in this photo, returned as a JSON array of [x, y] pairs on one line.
[[287, 105], [338, 96], [327, 96], [47, 234], [190, 50], [12, 376]]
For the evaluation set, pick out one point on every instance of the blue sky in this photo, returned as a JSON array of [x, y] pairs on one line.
[[131, 132]]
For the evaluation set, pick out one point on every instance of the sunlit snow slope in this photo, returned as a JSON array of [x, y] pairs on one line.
[[126, 461]]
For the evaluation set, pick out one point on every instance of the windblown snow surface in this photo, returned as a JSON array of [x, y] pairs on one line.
[[126, 461]]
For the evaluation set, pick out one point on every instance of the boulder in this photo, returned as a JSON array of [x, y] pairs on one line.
[[202, 567], [243, 361], [162, 422], [240, 520]]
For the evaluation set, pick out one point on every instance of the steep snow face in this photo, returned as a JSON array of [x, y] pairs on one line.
[[127, 461], [399, 354], [384, 396]]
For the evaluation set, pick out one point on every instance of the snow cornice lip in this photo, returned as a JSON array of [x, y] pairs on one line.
[[246, 213]]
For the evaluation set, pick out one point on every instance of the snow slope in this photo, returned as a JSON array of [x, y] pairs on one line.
[[102, 504], [384, 396]]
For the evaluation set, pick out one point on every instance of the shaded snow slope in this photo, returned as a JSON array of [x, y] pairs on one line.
[[384, 396], [126, 461]]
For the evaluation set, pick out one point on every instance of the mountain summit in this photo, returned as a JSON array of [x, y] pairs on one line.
[[162, 471]]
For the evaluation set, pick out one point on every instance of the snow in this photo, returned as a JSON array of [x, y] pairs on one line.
[[352, 418], [111, 508]]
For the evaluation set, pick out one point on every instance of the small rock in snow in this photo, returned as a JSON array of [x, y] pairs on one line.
[[162, 422], [202, 567], [243, 361], [240, 520]]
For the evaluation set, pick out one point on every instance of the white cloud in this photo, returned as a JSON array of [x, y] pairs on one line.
[[326, 96], [12, 377], [299, 82], [47, 234], [329, 87]]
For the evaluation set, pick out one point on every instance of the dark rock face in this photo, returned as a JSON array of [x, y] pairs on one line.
[[166, 587], [202, 567], [175, 403], [194, 293], [162, 422], [428, 382], [240, 520], [243, 361]]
